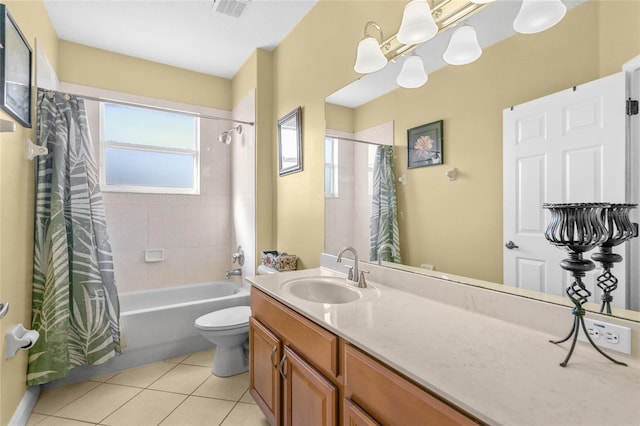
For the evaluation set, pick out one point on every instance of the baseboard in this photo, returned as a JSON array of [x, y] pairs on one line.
[[28, 401]]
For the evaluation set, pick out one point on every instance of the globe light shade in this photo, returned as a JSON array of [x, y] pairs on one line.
[[412, 74], [369, 57], [417, 24], [463, 47], [538, 15]]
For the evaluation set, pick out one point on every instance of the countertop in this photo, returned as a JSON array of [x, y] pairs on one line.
[[500, 372]]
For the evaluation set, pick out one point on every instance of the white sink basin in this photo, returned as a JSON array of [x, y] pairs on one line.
[[323, 290]]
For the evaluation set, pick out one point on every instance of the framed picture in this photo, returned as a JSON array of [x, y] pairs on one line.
[[290, 143], [15, 70], [424, 145]]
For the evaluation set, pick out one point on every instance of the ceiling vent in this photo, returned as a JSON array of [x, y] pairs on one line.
[[233, 8]]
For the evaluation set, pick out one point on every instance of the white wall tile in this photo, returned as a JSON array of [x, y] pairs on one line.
[[127, 225], [169, 272], [130, 270], [202, 264], [166, 226], [200, 225]]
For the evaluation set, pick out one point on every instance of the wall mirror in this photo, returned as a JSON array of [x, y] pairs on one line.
[[290, 143], [15, 70], [456, 227]]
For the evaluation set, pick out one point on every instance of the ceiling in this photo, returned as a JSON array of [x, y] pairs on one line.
[[190, 34]]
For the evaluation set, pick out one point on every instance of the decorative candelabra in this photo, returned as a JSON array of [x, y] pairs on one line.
[[577, 228], [615, 218]]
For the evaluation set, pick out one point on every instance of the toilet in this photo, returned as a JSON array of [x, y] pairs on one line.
[[229, 330]]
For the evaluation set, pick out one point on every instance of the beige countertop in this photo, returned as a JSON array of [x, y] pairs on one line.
[[500, 372]]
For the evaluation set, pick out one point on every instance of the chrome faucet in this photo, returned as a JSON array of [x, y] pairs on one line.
[[354, 275], [231, 272], [382, 247]]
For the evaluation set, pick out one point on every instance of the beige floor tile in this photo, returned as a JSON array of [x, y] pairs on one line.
[[99, 403], [182, 379], [196, 411], [177, 360], [229, 388], [203, 359], [245, 415], [53, 400], [247, 398], [59, 421], [104, 378], [149, 407], [142, 377], [34, 419]]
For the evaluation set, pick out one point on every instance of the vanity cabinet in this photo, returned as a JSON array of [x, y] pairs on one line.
[[374, 394], [293, 365], [302, 374]]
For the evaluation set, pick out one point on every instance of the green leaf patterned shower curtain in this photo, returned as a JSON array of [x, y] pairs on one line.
[[383, 225], [75, 300]]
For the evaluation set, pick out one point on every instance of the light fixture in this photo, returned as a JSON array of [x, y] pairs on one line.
[[538, 15], [463, 47], [417, 24], [370, 57], [413, 74], [421, 21]]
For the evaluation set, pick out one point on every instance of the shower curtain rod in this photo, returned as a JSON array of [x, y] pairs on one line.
[[177, 111]]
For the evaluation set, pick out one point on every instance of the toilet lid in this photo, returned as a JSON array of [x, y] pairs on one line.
[[225, 318]]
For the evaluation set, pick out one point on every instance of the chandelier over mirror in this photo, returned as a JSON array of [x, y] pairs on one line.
[[423, 19]]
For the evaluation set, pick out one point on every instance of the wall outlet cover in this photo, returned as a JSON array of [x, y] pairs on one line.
[[609, 336]]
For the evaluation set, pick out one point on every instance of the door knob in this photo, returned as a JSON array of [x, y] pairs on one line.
[[510, 245]]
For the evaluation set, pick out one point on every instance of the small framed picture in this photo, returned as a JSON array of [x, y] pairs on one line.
[[424, 145], [15, 70]]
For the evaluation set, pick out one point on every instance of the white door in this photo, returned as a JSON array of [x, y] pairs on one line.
[[565, 147]]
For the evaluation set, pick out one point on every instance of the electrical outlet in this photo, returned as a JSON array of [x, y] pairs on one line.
[[605, 335]]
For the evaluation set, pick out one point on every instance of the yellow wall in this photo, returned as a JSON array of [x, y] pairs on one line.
[[107, 70], [455, 226], [339, 118], [313, 61], [16, 215]]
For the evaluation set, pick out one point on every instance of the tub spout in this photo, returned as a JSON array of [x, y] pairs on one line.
[[231, 272]]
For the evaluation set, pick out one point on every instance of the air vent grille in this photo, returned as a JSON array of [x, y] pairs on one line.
[[234, 8]]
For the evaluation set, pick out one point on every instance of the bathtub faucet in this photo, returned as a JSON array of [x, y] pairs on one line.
[[231, 272]]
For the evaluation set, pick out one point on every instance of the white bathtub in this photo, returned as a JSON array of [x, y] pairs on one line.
[[159, 324]]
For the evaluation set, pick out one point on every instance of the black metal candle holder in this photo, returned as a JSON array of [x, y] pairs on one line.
[[615, 218], [577, 228]]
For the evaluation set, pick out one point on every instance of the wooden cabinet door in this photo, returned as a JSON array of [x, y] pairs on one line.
[[309, 398], [356, 416], [264, 354]]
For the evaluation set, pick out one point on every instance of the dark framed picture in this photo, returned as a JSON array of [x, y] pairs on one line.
[[424, 145], [290, 143], [15, 70]]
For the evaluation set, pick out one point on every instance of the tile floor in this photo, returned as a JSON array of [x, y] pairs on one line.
[[176, 392]]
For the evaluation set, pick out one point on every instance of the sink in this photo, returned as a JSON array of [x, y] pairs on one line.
[[323, 290]]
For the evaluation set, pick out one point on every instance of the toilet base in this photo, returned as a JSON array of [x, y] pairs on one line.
[[229, 361]]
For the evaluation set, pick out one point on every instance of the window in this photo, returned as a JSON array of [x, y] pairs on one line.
[[331, 168], [148, 150]]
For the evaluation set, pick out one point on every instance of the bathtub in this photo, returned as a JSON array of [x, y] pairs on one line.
[[159, 324]]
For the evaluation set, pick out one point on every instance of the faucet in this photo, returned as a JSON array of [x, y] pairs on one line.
[[353, 272], [382, 247], [238, 256], [231, 272]]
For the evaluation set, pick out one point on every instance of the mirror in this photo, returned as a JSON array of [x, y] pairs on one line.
[[456, 226], [290, 143]]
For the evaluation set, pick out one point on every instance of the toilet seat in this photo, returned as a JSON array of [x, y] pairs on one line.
[[225, 319]]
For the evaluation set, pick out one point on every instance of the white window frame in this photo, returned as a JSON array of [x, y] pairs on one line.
[[145, 189], [333, 167]]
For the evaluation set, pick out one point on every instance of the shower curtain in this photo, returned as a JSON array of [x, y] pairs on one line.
[[75, 300], [383, 225]]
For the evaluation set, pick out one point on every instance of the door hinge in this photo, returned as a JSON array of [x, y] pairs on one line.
[[632, 107]]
